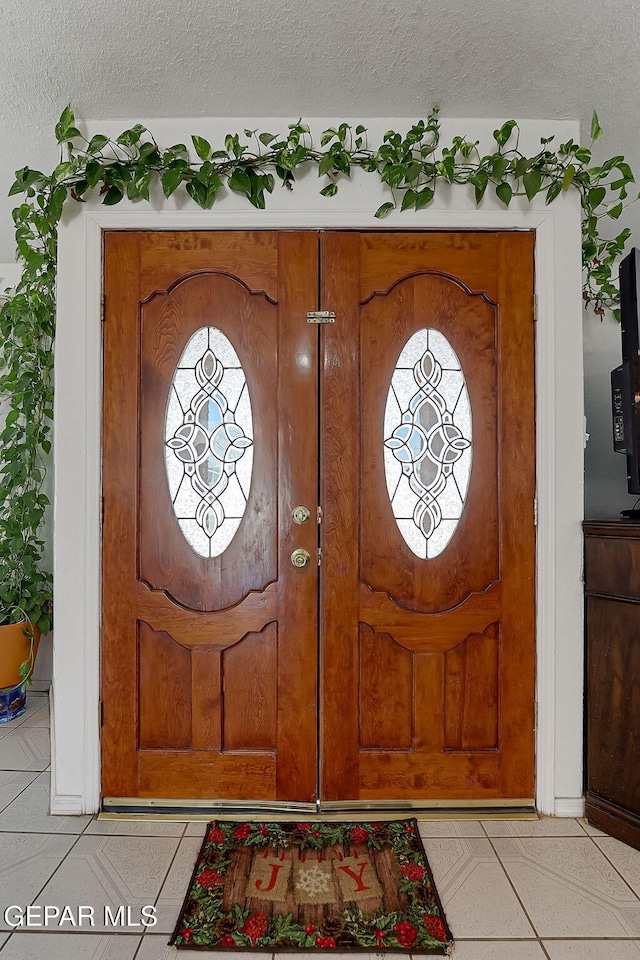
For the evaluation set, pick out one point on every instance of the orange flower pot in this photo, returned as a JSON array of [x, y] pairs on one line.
[[14, 650]]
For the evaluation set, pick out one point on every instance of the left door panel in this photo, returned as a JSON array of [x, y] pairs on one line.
[[209, 646]]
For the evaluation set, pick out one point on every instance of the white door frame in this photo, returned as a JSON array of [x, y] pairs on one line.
[[559, 446]]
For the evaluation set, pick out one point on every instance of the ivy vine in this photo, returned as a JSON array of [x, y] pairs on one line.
[[411, 165]]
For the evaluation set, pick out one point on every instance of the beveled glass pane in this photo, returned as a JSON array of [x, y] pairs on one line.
[[427, 442], [195, 349], [208, 435]]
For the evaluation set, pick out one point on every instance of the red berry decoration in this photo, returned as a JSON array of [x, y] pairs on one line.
[[210, 878], [255, 926], [412, 871], [242, 832], [358, 835], [434, 926], [405, 933]]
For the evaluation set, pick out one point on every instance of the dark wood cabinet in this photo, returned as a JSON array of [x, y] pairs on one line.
[[612, 581]]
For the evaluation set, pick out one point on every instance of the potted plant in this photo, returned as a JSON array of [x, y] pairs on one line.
[[26, 364]]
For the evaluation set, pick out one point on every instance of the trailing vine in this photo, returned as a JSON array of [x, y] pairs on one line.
[[411, 165]]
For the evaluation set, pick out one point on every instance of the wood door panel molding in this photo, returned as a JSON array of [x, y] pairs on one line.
[[238, 776], [410, 775], [211, 273], [163, 665], [250, 694], [471, 559], [218, 629], [166, 560], [472, 692], [430, 273], [385, 725], [429, 632], [206, 699], [470, 256], [167, 255]]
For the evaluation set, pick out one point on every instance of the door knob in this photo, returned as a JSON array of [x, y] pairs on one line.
[[300, 557]]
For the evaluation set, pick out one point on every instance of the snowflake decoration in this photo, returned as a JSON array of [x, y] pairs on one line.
[[313, 880]]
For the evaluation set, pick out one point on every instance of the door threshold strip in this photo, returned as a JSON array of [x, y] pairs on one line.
[[184, 810]]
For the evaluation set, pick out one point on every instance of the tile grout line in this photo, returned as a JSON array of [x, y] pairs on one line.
[[544, 949], [585, 939], [21, 722], [554, 837], [627, 884], [138, 948], [583, 826], [83, 833], [40, 890], [511, 884], [23, 719], [164, 880], [26, 787], [49, 879], [23, 769], [33, 833]]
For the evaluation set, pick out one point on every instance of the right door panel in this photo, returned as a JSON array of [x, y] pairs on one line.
[[428, 612]]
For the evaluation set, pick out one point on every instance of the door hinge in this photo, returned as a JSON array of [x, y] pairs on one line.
[[535, 307], [535, 714], [321, 316], [535, 511], [102, 300], [100, 714], [319, 555], [319, 515]]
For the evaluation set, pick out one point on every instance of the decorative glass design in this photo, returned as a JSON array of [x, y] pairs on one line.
[[427, 446], [209, 442]]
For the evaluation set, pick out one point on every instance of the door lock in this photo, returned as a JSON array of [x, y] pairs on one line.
[[300, 557], [300, 514]]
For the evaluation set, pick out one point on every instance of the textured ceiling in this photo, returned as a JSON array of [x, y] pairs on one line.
[[290, 58]]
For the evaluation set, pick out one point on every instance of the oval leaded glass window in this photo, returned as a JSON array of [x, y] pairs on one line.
[[427, 442], [209, 442]]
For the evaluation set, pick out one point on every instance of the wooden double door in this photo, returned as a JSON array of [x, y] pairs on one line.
[[379, 643]]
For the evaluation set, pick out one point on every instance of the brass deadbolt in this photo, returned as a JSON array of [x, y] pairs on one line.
[[300, 514]]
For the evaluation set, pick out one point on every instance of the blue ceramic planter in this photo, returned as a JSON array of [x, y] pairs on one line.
[[13, 702]]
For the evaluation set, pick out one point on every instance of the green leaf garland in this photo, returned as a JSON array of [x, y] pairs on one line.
[[412, 165]]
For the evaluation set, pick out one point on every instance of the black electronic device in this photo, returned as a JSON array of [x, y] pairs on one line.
[[625, 379]]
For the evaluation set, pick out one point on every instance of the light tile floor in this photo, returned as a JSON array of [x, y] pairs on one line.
[[551, 889]]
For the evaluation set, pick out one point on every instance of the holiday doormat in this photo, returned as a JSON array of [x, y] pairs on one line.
[[313, 886]]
